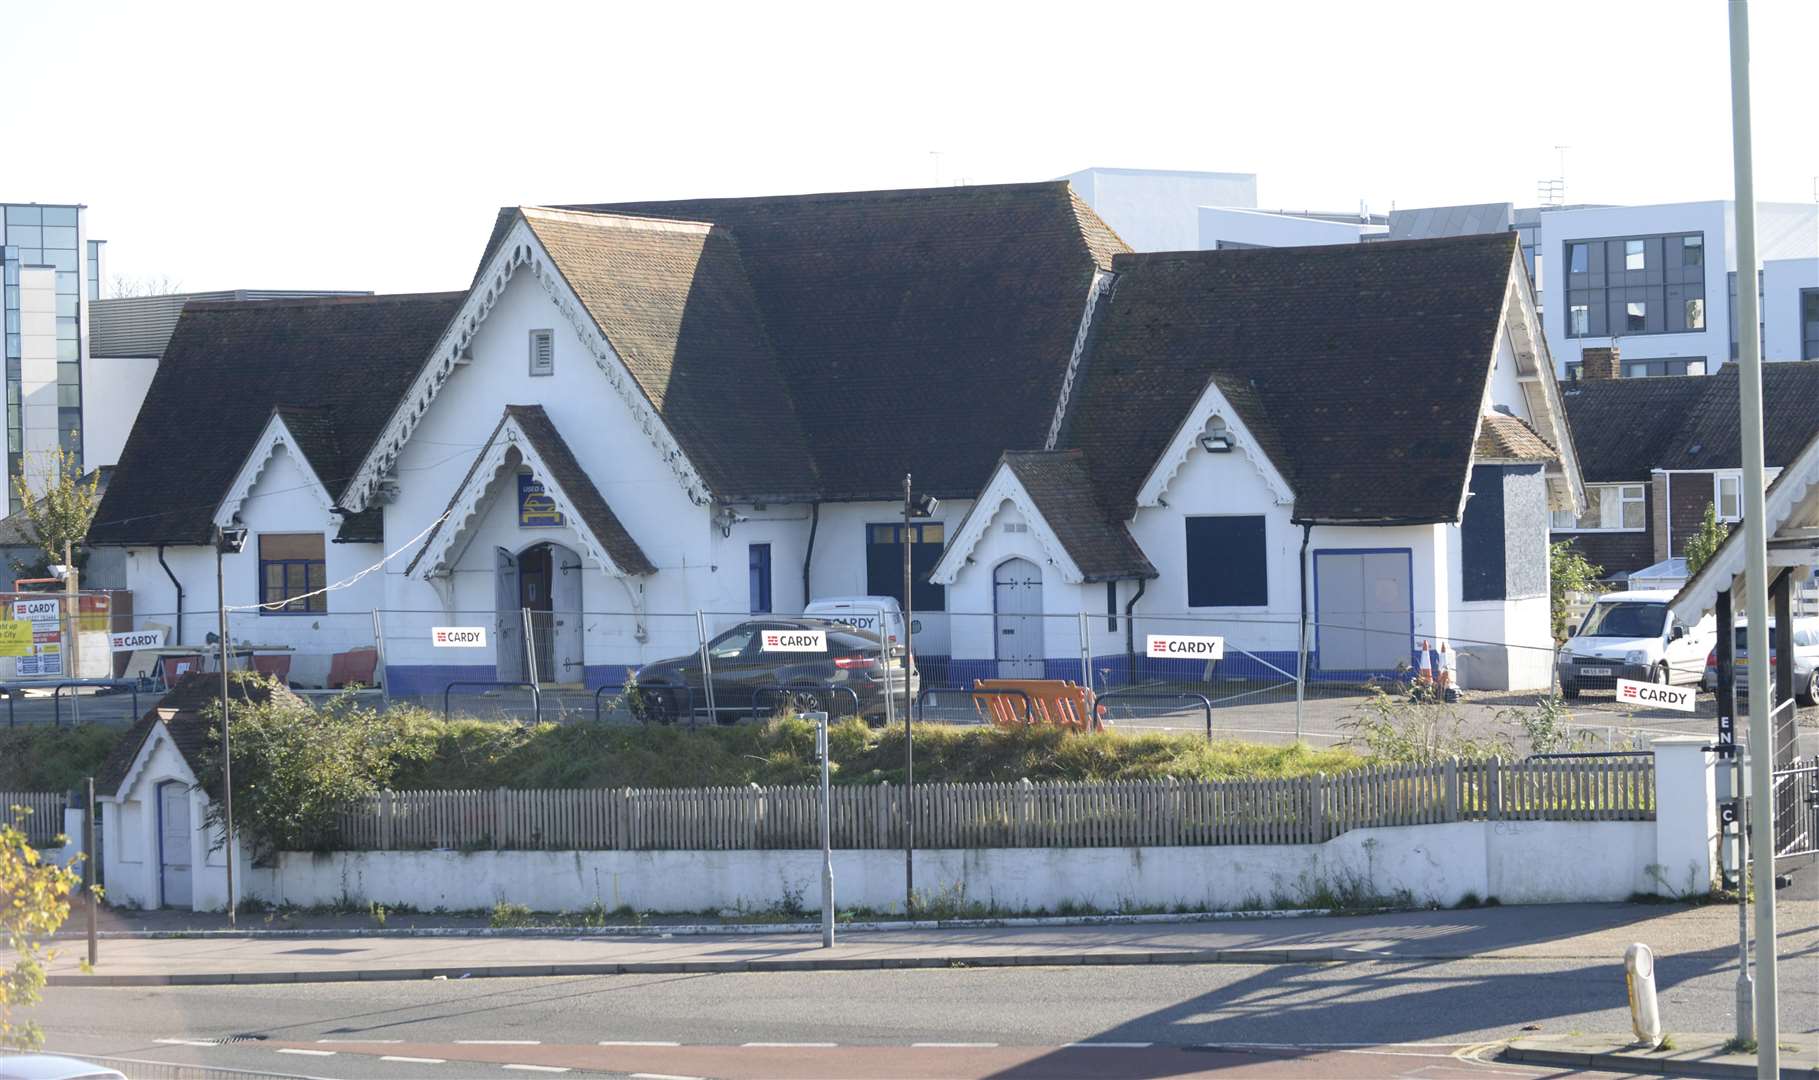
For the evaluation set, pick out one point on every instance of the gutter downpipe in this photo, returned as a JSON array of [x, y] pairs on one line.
[[1307, 531], [1130, 632], [808, 557], [177, 633]]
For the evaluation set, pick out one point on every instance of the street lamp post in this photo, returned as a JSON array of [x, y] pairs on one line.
[[912, 508], [228, 541]]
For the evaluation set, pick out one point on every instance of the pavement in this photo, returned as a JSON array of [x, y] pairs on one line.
[[1683, 1055]]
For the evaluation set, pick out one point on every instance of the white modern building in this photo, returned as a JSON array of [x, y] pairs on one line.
[[1156, 209]]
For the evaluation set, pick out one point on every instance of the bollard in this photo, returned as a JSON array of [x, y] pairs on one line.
[[1639, 978]]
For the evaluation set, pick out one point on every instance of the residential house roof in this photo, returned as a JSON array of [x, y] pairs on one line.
[[16, 530], [920, 331], [334, 366], [1100, 545], [1359, 368], [182, 712], [1625, 428], [1510, 438], [141, 326]]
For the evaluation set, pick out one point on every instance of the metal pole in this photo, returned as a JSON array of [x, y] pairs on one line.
[[385, 685], [1086, 654], [827, 837], [707, 673], [1746, 989], [1762, 729], [909, 736], [1307, 532], [227, 755], [89, 868]]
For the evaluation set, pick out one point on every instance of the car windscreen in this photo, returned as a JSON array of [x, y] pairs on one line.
[[1624, 620], [851, 643]]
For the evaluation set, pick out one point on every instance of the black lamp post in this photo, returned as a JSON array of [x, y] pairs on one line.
[[228, 541], [913, 507]]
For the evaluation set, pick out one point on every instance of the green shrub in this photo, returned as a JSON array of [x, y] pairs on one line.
[[42, 758]]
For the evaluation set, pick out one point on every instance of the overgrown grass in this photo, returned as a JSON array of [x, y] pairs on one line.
[[41, 758]]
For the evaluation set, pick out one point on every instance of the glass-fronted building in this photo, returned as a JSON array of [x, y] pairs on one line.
[[51, 271]]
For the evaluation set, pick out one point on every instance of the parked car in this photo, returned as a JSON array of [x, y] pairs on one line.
[[746, 675], [51, 1067], [1806, 659], [1634, 635]]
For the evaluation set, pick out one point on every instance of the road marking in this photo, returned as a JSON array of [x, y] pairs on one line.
[[791, 1045], [662, 1076], [637, 1042], [1106, 1046], [536, 1068], [187, 1042], [361, 1042], [956, 1045], [307, 1053], [412, 1060], [498, 1042]]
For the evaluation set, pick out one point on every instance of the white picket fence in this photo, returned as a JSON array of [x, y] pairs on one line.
[[45, 822], [1022, 814]]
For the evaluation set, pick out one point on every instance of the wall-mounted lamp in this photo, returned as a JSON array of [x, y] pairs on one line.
[[726, 517], [1216, 439]]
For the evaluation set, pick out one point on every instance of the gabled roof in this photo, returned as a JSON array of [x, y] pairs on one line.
[[228, 366], [674, 300], [1790, 529], [1625, 428], [141, 326], [525, 435], [1503, 437], [1359, 368], [181, 712], [1100, 545], [939, 309]]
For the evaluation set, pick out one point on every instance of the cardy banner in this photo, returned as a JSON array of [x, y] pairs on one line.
[[458, 637], [795, 641], [1186, 647], [136, 639], [1655, 695]]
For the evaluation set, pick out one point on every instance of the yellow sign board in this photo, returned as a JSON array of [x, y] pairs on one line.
[[15, 637]]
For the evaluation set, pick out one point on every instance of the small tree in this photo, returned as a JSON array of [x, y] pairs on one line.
[[1568, 572], [1702, 545], [62, 508], [34, 902]]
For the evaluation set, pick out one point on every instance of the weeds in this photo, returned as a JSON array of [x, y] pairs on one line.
[[1740, 1046], [511, 916]]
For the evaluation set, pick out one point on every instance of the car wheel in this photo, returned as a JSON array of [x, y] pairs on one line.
[[1811, 697], [1659, 675], [653, 706]]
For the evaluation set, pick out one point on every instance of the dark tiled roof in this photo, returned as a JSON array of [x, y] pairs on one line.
[[141, 326], [949, 310], [676, 304], [227, 367], [181, 711], [1100, 546], [16, 530], [1510, 438], [1359, 368], [1624, 428], [568, 475]]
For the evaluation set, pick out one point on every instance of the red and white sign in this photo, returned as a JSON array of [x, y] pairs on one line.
[[1655, 695], [136, 639], [794, 641], [1186, 647], [458, 637], [48, 610]]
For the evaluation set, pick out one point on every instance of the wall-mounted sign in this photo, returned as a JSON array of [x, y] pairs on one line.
[[794, 641], [536, 510], [46, 610], [1186, 647], [1655, 695], [136, 639], [458, 637]]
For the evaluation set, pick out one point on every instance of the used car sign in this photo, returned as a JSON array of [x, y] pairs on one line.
[[795, 641], [1186, 647], [1655, 695], [458, 637]]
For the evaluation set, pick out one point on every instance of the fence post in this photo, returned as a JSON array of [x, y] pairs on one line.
[[1493, 789], [1086, 653], [1316, 808], [500, 795], [385, 684], [1452, 789], [385, 819]]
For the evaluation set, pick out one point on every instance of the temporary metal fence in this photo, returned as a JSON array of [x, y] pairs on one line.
[[1301, 810], [1796, 809], [45, 822]]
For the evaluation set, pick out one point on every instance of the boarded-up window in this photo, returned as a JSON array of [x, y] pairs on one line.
[[292, 565], [1227, 563]]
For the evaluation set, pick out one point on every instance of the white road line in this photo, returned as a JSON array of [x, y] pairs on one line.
[[412, 1060], [789, 1045], [662, 1076], [498, 1042], [956, 1045], [1106, 1045], [536, 1068], [307, 1053], [361, 1042], [637, 1042], [187, 1042]]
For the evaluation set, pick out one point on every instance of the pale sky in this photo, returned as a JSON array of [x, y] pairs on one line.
[[367, 145]]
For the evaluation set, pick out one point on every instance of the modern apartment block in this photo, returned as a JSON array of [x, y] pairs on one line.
[[1157, 209], [52, 270]]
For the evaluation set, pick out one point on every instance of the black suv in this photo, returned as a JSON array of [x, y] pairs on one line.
[[747, 678]]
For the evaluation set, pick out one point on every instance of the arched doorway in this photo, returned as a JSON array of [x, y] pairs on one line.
[[542, 582], [1017, 621]]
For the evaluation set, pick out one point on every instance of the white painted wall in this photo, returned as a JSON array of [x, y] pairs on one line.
[[129, 834], [1526, 862], [280, 502], [113, 388], [1155, 209], [1782, 280], [1266, 229]]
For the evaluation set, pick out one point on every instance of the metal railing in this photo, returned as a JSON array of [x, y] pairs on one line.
[[831, 689], [1029, 705], [536, 694], [1206, 704]]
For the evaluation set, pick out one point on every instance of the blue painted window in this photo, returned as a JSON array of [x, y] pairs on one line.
[[1227, 563], [760, 560], [290, 565]]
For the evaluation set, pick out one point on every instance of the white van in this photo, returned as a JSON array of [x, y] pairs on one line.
[[862, 613], [1633, 635]]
